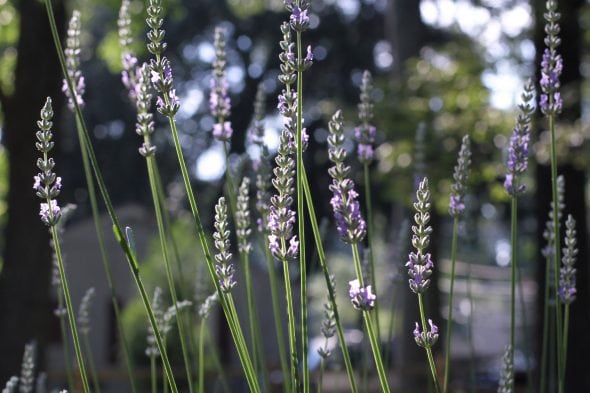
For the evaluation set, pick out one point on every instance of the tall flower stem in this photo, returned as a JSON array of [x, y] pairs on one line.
[[221, 376], [545, 343], [557, 244], [153, 374], [91, 365], [69, 308], [513, 278], [321, 375], [276, 308], [370, 326], [428, 348], [117, 229], [301, 221], [170, 277], [370, 232], [292, 332], [450, 311], [103, 254], [470, 320], [201, 386], [332, 297], [566, 323], [65, 341]]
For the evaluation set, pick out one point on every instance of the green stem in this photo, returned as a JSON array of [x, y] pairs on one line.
[[170, 277], [117, 229], [370, 231], [450, 312], [566, 324], [216, 362], [331, 295], [545, 343], [103, 253], [321, 375], [470, 332], [201, 388], [68, 300], [427, 347], [291, 318], [153, 374], [92, 366], [525, 328], [513, 265], [369, 323], [274, 292], [557, 241], [64, 339]]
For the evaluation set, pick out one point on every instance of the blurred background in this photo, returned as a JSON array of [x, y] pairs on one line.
[[442, 69]]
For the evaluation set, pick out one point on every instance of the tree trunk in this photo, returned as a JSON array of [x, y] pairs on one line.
[[24, 282], [405, 30]]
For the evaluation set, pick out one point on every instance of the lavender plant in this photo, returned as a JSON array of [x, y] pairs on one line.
[[11, 385], [506, 384], [352, 229], [27, 371], [551, 104], [567, 281], [420, 267], [204, 310], [328, 330], [456, 209], [517, 163], [72, 54]]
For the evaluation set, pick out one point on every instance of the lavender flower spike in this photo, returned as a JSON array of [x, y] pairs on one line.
[[567, 276], [243, 230], [72, 55], [518, 148], [361, 297], [349, 221], [219, 101], [223, 266], [128, 59], [328, 327], [507, 372], [548, 233], [550, 101], [365, 132], [420, 263], [426, 338], [46, 184], [460, 174]]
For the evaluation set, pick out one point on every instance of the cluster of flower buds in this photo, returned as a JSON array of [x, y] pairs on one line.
[[167, 102], [349, 221], [567, 276], [158, 310], [420, 263], [72, 55], [328, 327], [84, 311], [362, 298], [223, 266], [281, 218], [128, 59], [145, 123], [299, 19], [243, 230], [460, 174], [47, 185], [207, 305], [518, 148], [549, 233], [365, 132], [507, 372], [426, 338], [219, 101], [256, 131], [551, 102]]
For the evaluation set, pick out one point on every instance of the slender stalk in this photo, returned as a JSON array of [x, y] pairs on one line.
[[117, 229], [292, 333], [470, 333], [450, 312], [216, 362], [557, 241], [321, 375], [66, 342], [201, 388], [514, 261], [153, 375], [103, 253], [331, 295], [370, 229], [566, 324], [369, 324], [525, 328], [92, 366], [68, 300], [301, 221], [545, 343], [170, 277], [274, 293], [431, 363]]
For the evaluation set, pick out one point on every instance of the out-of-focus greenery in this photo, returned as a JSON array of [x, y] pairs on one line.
[[443, 90]]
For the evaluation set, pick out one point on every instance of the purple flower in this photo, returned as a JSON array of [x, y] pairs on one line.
[[170, 108], [460, 174], [365, 152], [567, 273], [365, 132], [50, 217], [361, 297], [419, 269], [551, 69], [349, 221], [299, 19], [222, 132], [426, 339]]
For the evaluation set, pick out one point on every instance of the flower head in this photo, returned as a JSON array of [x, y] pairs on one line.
[[219, 101], [456, 204], [567, 275], [362, 298], [365, 132], [550, 101], [223, 266], [72, 55], [426, 338]]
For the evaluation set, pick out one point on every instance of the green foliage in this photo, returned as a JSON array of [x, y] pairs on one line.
[[443, 89], [9, 25]]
